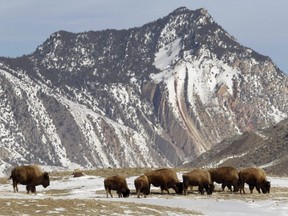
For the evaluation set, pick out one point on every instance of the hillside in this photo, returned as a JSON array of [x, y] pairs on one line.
[[156, 95], [267, 148]]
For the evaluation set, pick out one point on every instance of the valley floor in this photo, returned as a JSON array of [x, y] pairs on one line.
[[86, 196]]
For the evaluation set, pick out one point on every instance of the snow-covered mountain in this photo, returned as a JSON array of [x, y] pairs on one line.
[[156, 95]]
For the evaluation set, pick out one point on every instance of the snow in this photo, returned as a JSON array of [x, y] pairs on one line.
[[204, 75], [277, 114], [87, 117], [167, 54], [215, 164], [89, 187]]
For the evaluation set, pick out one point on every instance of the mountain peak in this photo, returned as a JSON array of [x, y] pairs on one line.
[[180, 10], [155, 95]]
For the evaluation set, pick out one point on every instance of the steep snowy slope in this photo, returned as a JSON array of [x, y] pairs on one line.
[[156, 95]]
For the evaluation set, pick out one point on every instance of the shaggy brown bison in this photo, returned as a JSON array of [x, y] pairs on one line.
[[117, 183], [31, 176], [227, 176], [200, 178], [142, 185], [165, 178], [254, 177]]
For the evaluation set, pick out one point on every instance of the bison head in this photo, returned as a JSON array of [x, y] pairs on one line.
[[265, 187], [179, 187], [126, 193], [236, 187], [210, 189], [46, 180]]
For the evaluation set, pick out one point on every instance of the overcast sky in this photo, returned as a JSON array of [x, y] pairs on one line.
[[25, 24]]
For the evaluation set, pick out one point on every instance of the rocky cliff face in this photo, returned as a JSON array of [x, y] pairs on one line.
[[156, 95]]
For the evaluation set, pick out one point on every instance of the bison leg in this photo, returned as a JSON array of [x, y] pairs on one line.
[[31, 188], [201, 189], [223, 186], [108, 192], [166, 189], [251, 187], [191, 188], [229, 186], [258, 189], [15, 186], [185, 190], [138, 193], [120, 192], [27, 189], [241, 188]]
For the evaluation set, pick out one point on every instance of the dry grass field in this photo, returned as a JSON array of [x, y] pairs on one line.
[[83, 207]]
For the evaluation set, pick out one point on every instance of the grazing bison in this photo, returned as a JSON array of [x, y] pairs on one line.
[[254, 177], [31, 176], [142, 185], [165, 178], [117, 183], [200, 178], [227, 176]]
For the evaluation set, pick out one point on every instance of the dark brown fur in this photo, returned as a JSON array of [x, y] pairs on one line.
[[165, 178], [142, 185], [254, 177], [227, 176], [117, 183], [200, 178], [31, 176], [78, 174]]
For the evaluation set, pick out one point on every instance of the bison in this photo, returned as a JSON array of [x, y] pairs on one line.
[[78, 174], [165, 178], [117, 183], [31, 176], [142, 185], [227, 176], [200, 178], [254, 177]]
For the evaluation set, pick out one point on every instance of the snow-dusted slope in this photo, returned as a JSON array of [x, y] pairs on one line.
[[157, 95], [93, 127]]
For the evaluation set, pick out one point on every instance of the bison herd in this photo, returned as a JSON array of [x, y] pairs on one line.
[[165, 178]]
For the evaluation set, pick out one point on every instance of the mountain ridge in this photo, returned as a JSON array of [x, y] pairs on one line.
[[156, 95]]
